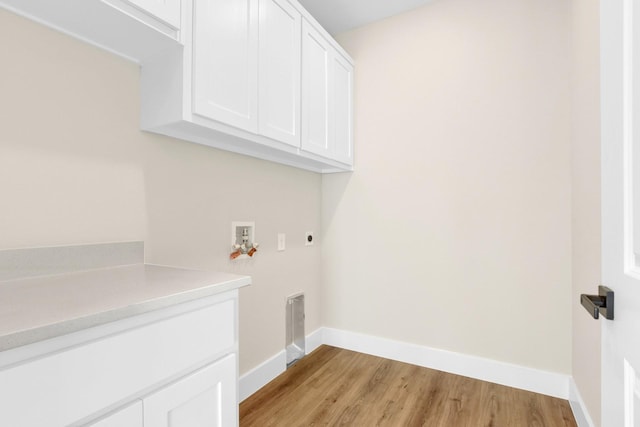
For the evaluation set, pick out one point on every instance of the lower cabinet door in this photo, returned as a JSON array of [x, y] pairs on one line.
[[206, 398], [131, 416]]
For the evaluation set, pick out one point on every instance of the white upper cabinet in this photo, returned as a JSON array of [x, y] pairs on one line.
[[225, 68], [232, 40], [167, 11], [316, 106], [256, 77], [279, 63], [135, 29], [342, 96], [327, 98]]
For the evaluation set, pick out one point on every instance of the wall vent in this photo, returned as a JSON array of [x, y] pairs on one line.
[[295, 348]]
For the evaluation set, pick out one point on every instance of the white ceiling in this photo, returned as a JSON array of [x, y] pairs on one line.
[[337, 16]]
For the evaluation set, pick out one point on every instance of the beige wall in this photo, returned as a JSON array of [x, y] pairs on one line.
[[585, 77], [74, 168], [454, 230]]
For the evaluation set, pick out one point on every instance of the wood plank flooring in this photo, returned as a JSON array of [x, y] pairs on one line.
[[332, 387]]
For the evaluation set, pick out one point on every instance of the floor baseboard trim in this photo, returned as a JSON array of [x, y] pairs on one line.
[[538, 381], [580, 413], [314, 340], [524, 378], [264, 373], [261, 375]]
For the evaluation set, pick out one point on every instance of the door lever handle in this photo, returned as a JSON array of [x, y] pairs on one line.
[[601, 303]]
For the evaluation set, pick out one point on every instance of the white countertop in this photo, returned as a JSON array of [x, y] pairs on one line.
[[39, 308]]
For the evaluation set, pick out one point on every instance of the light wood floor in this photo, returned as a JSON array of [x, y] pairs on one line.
[[332, 387]]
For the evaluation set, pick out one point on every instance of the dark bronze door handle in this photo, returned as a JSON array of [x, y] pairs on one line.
[[601, 303]]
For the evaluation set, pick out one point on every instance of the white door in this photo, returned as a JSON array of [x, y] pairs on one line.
[[279, 64], [620, 101], [206, 398], [225, 61]]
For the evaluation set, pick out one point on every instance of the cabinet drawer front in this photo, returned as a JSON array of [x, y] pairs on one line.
[[75, 383], [131, 416], [204, 398]]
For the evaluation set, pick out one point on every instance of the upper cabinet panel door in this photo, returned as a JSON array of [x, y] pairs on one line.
[[316, 54], [279, 64], [167, 11], [225, 66], [342, 92]]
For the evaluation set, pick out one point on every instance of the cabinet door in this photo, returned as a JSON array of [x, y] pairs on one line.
[[167, 11], [279, 64], [316, 55], [131, 416], [206, 398], [225, 61], [342, 100]]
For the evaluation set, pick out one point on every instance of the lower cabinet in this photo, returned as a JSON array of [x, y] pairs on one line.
[[130, 416], [206, 398], [172, 367]]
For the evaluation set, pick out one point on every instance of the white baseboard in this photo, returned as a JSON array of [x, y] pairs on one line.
[[314, 340], [538, 381], [578, 407], [261, 375], [543, 382]]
